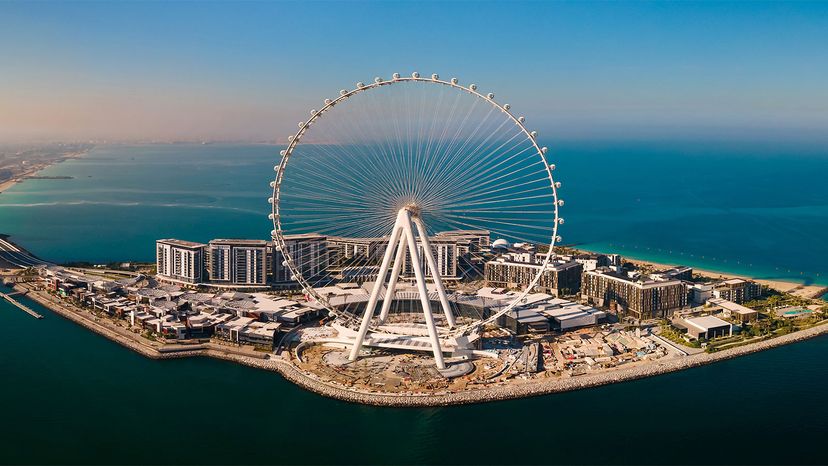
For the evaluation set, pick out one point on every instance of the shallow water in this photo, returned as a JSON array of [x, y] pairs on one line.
[[71, 396], [758, 210]]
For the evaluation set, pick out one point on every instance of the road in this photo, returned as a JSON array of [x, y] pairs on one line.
[[14, 257]]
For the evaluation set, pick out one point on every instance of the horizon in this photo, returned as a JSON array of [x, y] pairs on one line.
[[241, 72]]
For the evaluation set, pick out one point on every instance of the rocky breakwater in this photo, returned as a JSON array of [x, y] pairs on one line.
[[519, 388], [502, 391], [121, 336]]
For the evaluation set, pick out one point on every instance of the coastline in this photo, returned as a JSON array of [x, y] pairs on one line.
[[796, 288], [505, 391], [6, 185]]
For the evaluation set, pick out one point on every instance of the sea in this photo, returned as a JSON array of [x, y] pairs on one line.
[[70, 396]]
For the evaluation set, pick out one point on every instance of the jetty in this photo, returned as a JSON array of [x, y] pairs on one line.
[[9, 297]]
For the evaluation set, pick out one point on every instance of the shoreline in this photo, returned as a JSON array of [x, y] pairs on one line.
[[797, 288], [507, 391], [8, 184]]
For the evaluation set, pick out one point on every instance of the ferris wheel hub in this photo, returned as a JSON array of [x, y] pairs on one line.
[[463, 167], [412, 209]]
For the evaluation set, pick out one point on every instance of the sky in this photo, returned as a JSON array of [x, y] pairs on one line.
[[248, 71]]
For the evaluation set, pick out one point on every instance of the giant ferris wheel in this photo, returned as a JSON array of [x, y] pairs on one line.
[[388, 170]]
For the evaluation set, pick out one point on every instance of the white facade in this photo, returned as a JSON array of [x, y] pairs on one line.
[[238, 262], [445, 256], [309, 254], [179, 260]]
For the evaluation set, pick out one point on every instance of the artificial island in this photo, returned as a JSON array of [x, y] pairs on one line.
[[415, 260]]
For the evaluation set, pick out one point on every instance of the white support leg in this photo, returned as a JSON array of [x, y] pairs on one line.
[[372, 300], [408, 233], [435, 272], [392, 282]]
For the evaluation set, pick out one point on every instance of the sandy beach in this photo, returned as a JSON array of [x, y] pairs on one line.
[[800, 289], [797, 289], [5, 185]]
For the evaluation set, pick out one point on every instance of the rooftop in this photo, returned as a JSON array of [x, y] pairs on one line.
[[180, 243], [240, 242], [707, 322], [731, 306]]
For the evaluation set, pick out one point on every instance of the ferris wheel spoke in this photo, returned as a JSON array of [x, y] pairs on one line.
[[503, 232], [451, 144], [488, 188], [504, 194], [482, 179], [480, 167], [461, 165], [337, 160], [450, 163], [446, 153]]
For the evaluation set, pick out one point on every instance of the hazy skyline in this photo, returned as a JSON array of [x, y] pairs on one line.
[[250, 71]]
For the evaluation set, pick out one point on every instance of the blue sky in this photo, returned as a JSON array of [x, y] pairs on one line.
[[250, 70]]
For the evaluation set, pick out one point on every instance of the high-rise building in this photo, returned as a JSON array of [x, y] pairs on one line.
[[356, 251], [444, 252], [237, 261], [180, 260], [641, 298], [310, 256], [360, 258]]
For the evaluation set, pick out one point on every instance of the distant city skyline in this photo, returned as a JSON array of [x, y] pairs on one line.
[[248, 71]]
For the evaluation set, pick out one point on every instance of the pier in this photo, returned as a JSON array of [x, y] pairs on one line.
[[24, 308]]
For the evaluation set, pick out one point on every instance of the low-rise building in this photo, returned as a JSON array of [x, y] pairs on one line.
[[245, 330], [566, 315], [699, 293], [735, 311], [738, 290], [707, 327]]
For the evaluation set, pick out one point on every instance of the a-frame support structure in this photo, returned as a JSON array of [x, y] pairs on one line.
[[402, 239]]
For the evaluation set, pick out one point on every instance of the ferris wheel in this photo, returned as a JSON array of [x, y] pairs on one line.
[[402, 187]]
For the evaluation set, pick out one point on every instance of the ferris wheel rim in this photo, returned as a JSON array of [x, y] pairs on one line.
[[277, 234]]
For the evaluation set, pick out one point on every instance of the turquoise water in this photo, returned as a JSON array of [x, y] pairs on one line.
[[70, 396], [760, 210]]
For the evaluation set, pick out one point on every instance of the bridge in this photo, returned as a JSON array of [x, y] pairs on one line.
[[15, 257]]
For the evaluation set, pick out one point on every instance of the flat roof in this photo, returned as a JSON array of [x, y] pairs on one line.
[[304, 236], [640, 284], [707, 322], [243, 242], [731, 306], [180, 243]]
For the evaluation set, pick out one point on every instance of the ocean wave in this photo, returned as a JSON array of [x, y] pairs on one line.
[[133, 204]]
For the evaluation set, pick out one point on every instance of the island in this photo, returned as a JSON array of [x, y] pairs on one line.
[[565, 337]]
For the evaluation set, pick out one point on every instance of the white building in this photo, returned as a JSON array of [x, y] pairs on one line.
[[567, 315], [708, 327], [444, 251], [309, 253], [362, 256], [179, 260], [238, 261], [469, 242]]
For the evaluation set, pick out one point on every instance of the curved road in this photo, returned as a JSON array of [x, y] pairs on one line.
[[15, 257]]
